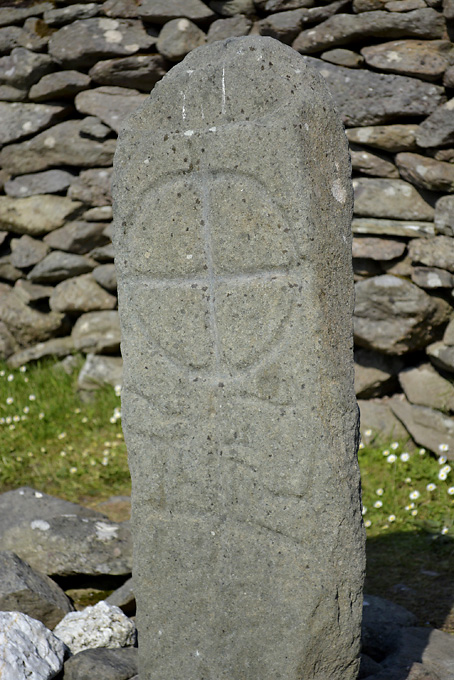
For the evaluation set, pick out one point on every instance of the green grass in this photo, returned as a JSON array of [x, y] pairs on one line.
[[57, 443]]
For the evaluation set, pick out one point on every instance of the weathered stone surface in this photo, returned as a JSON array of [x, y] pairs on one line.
[[427, 426], [196, 295], [438, 128], [21, 69], [20, 120], [234, 27], [441, 355], [106, 276], [35, 215], [392, 227], [92, 187], [100, 370], [65, 15], [281, 5], [8, 344], [366, 98], [448, 337], [424, 386], [432, 277], [31, 292], [14, 37], [66, 545], [375, 374], [59, 84], [103, 253], [434, 252], [344, 28], [442, 154], [377, 415], [7, 270], [77, 237], [85, 42], [283, 26], [162, 11], [426, 173], [62, 144], [427, 59], [372, 164], [405, 5], [47, 182], [228, 8], [102, 213], [390, 198], [56, 347], [102, 625], [394, 316], [27, 251], [141, 72], [58, 266], [22, 589], [178, 37], [444, 215], [28, 649], [448, 78], [124, 598], [81, 294], [342, 57], [93, 128], [377, 248], [110, 664], [109, 104], [392, 138], [16, 15], [123, 9], [97, 333]]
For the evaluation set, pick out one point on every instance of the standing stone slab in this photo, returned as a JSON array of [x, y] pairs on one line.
[[233, 249]]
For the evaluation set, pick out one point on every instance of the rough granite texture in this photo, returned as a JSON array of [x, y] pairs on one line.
[[233, 206]]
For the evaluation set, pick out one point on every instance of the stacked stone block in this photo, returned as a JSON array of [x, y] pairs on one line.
[[71, 72]]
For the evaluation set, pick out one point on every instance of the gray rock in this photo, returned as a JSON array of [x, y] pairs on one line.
[[27, 251], [62, 144], [97, 333], [426, 173], [390, 198], [30, 292], [229, 8], [427, 426], [58, 85], [22, 589], [56, 347], [178, 37], [77, 237], [394, 316], [16, 15], [28, 649], [123, 9], [377, 248], [8, 344], [28, 325], [448, 337], [435, 649], [20, 120], [93, 128], [35, 215], [377, 416], [141, 71], [3, 237], [434, 252], [92, 187], [426, 59], [109, 104], [210, 290], [283, 26], [81, 294], [432, 277], [102, 213], [20, 70], [124, 598], [366, 98], [343, 57], [13, 37], [345, 28], [7, 270], [444, 215], [106, 276], [234, 27], [383, 623], [37, 34], [448, 78], [110, 664], [441, 355], [375, 374], [392, 227], [47, 182], [84, 42], [438, 128], [392, 138], [103, 253], [372, 164], [58, 266], [65, 15], [100, 370], [68, 545], [162, 11], [405, 5], [281, 5], [424, 386]]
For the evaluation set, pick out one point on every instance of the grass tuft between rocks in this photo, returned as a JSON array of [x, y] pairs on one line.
[[54, 441]]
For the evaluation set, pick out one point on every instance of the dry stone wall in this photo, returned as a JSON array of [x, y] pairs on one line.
[[70, 73]]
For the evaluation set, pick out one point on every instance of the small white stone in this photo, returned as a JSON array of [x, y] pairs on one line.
[[40, 524]]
